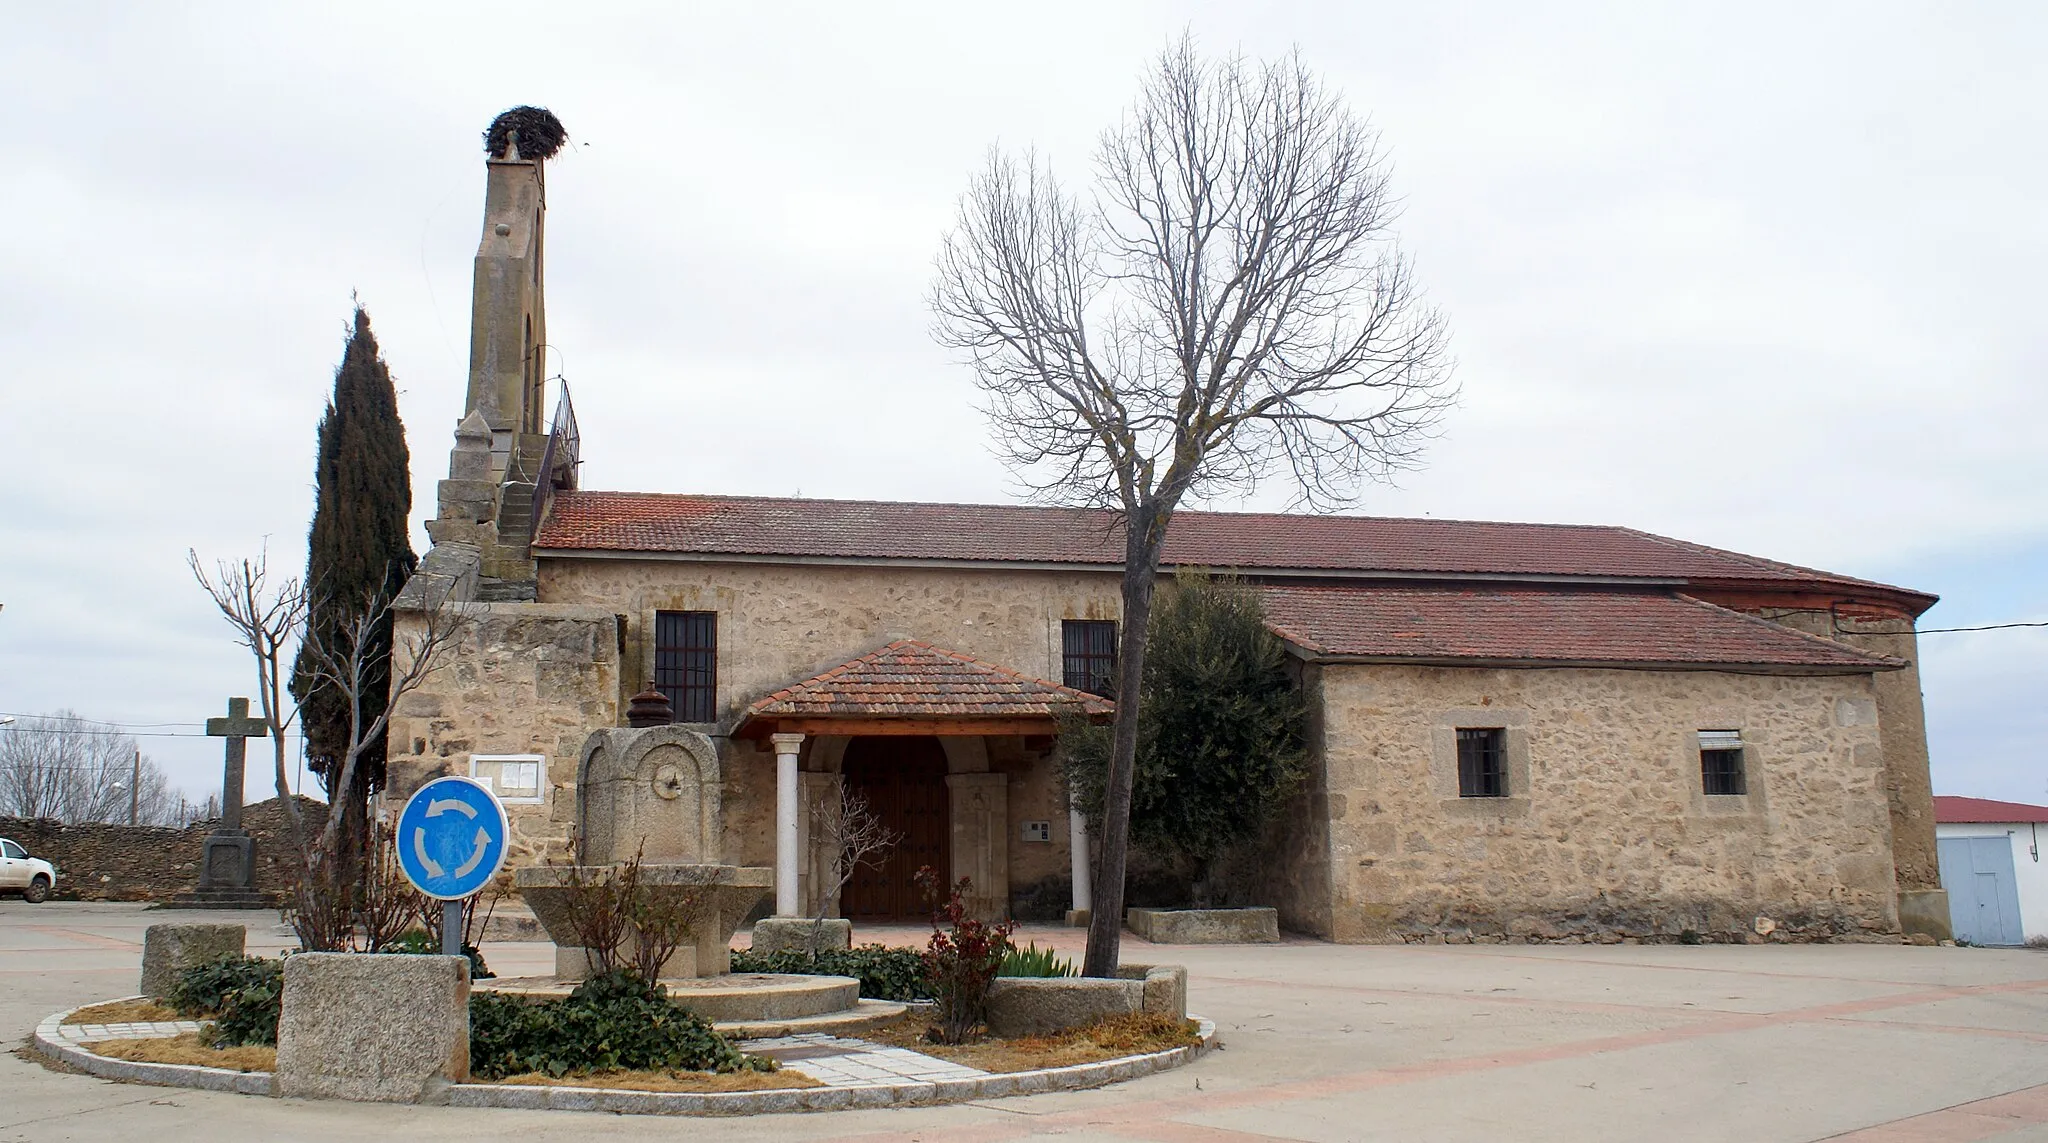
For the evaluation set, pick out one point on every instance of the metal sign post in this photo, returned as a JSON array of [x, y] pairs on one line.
[[451, 839]]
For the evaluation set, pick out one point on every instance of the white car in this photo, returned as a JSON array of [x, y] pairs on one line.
[[31, 876]]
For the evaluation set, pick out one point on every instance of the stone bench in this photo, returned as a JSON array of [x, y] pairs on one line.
[[1039, 1006], [168, 950], [1253, 926]]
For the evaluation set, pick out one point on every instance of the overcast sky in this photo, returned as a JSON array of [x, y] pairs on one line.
[[1764, 277]]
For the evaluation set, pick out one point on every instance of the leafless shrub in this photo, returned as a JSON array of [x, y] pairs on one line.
[[847, 829], [599, 905], [341, 871]]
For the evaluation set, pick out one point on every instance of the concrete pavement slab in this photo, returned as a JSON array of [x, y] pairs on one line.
[[1321, 1042]]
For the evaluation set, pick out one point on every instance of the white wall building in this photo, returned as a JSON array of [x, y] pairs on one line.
[[1992, 867]]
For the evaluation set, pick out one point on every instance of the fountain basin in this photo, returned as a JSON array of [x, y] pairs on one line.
[[720, 896]]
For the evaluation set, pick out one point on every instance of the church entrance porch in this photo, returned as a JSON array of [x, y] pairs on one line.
[[914, 729], [903, 783]]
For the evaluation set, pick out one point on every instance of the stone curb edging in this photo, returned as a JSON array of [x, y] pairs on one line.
[[1074, 1077], [51, 1043]]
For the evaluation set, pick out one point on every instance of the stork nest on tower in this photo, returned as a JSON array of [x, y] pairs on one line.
[[536, 129]]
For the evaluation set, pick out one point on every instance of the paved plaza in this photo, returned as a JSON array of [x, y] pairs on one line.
[[1867, 1043]]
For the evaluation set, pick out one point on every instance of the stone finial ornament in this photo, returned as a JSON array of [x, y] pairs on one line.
[[649, 708]]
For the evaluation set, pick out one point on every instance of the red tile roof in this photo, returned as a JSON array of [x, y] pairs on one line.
[[909, 679], [1374, 545], [1949, 808], [1598, 627]]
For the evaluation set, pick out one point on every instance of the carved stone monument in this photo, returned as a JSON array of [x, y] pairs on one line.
[[227, 859], [654, 793]]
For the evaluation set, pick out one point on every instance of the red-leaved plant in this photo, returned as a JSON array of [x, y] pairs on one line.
[[962, 959]]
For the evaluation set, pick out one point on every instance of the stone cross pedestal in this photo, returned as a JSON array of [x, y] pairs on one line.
[[227, 864]]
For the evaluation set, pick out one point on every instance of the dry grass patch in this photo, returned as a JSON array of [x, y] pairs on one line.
[[188, 1048], [668, 1081], [1134, 1035], [142, 1011]]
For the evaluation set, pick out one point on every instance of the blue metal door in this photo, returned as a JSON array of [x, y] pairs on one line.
[[1983, 894]]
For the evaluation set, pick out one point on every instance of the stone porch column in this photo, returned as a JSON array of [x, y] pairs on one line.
[[786, 847], [981, 839], [1077, 842]]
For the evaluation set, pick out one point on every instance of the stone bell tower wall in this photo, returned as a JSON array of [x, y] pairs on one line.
[[524, 678]]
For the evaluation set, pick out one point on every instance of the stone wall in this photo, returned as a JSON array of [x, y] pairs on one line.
[[780, 624], [1605, 833], [1293, 858], [1902, 716], [526, 678], [104, 862]]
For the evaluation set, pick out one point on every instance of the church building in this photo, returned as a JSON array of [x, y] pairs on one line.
[[1518, 731]]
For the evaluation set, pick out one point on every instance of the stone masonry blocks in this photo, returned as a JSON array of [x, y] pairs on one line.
[[376, 1028], [1205, 926], [1166, 987], [775, 934], [168, 950], [1039, 1006]]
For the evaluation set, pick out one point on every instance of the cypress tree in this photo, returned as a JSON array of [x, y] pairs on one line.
[[357, 547]]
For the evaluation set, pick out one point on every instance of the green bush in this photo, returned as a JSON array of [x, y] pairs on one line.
[[241, 995], [420, 942], [1034, 961], [611, 1021], [884, 973], [1222, 732]]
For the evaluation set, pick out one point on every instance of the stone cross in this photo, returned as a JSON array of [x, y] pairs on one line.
[[237, 728]]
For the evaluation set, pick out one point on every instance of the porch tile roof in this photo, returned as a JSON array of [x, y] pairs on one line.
[[911, 679], [1608, 627], [860, 529]]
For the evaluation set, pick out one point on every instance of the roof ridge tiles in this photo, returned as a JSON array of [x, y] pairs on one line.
[[740, 497], [713, 527]]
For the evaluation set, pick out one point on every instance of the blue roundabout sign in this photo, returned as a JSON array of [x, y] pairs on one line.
[[452, 837]]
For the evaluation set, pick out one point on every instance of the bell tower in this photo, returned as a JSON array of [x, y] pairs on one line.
[[489, 499], [508, 308]]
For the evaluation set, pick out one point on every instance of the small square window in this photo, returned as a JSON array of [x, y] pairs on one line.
[[514, 778], [1721, 769], [1482, 762]]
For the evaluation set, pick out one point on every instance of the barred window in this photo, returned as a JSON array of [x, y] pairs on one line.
[[1482, 762], [1088, 655], [1721, 769], [686, 663]]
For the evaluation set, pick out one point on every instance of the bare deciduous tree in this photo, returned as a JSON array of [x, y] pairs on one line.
[[848, 832], [267, 619], [334, 888], [345, 659], [1227, 304], [72, 769]]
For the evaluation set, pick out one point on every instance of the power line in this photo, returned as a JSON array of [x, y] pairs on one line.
[[94, 721], [1986, 627], [116, 731]]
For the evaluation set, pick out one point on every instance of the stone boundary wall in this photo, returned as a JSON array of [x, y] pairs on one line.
[[101, 861]]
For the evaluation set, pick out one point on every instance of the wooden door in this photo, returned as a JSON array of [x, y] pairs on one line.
[[904, 781]]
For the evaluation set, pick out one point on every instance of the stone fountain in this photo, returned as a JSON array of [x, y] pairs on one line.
[[654, 791], [657, 791]]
